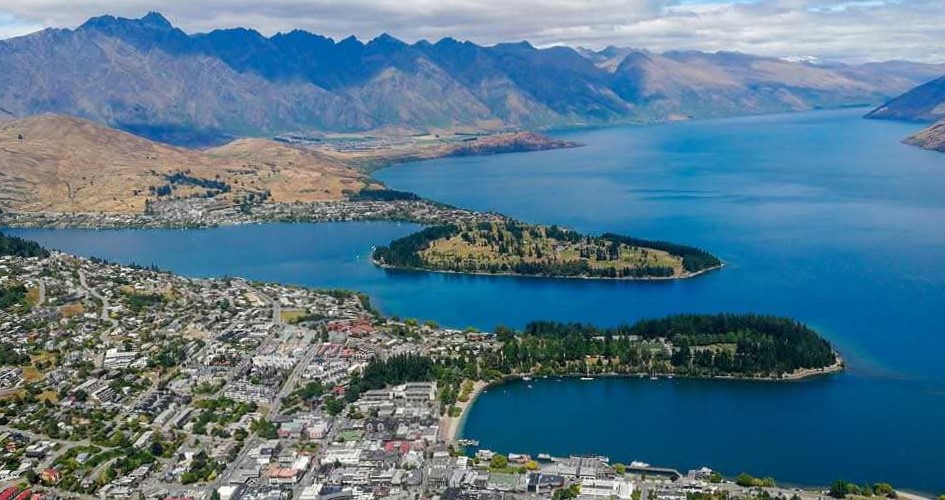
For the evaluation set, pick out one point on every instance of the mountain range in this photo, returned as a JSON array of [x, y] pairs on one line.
[[150, 78]]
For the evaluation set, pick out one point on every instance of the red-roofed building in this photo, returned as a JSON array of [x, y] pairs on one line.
[[50, 476], [355, 328], [282, 475], [401, 447], [8, 493]]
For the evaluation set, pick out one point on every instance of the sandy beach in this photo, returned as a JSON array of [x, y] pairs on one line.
[[449, 426]]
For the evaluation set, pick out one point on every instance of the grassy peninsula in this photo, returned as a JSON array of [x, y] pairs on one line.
[[511, 247]]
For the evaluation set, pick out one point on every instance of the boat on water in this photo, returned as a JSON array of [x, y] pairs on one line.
[[529, 386], [544, 456], [587, 378], [527, 378], [654, 377]]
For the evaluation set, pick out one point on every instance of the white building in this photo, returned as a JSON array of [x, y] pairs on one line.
[[273, 361], [344, 456], [606, 488], [115, 359]]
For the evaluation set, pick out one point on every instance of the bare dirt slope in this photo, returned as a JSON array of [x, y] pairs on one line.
[[53, 163], [932, 138]]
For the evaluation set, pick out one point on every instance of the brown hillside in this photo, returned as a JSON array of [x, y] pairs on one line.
[[931, 138], [53, 163]]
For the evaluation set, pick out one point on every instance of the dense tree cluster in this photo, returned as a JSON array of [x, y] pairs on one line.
[[747, 481], [138, 302], [383, 195], [186, 179], [526, 249], [405, 252], [213, 187], [11, 357], [162, 190], [763, 343], [12, 245], [841, 488], [10, 296], [702, 345], [391, 371]]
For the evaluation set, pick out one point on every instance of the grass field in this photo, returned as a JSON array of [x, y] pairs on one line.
[[476, 247], [73, 309], [291, 315], [51, 396], [31, 374], [32, 296]]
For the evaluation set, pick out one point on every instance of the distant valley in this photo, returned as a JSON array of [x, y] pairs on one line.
[[147, 77]]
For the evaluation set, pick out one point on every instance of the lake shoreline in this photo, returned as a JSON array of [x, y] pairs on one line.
[[517, 275], [210, 213], [454, 425]]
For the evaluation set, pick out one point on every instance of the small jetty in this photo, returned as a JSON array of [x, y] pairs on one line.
[[645, 468]]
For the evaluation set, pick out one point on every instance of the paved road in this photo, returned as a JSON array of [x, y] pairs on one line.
[[254, 441], [105, 317], [42, 292], [293, 377], [276, 306], [85, 285], [248, 445]]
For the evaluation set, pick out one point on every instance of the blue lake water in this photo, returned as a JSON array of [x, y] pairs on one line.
[[822, 216]]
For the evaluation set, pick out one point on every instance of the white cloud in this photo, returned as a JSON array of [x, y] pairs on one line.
[[851, 30], [11, 26]]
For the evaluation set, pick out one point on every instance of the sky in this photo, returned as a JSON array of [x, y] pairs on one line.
[[838, 30]]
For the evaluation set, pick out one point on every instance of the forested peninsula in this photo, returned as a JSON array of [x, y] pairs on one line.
[[515, 248], [737, 346], [697, 345]]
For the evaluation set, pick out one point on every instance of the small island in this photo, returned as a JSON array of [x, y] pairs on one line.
[[509, 247]]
